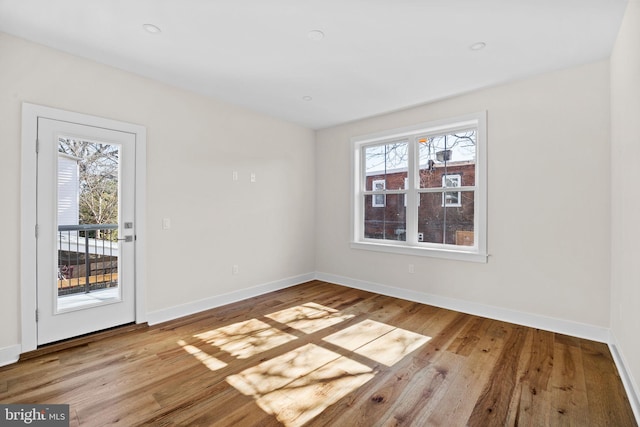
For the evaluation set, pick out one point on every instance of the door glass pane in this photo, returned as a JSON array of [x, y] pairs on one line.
[[87, 234], [385, 217], [447, 217]]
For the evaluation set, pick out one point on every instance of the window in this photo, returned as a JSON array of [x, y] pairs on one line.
[[378, 200], [451, 199], [402, 198]]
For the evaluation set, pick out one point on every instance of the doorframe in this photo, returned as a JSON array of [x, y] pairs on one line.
[[28, 191]]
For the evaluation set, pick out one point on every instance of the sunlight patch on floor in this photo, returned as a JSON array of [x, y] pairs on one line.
[[246, 339], [206, 359], [359, 334], [300, 384], [378, 341], [309, 317]]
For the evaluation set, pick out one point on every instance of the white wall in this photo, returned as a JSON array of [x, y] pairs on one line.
[[548, 202], [194, 143], [625, 201]]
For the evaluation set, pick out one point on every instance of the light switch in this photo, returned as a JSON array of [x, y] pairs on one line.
[[166, 223], [253, 177]]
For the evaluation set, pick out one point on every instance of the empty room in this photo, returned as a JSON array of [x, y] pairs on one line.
[[320, 213]]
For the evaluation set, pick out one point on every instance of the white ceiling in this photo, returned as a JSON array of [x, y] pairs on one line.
[[376, 56]]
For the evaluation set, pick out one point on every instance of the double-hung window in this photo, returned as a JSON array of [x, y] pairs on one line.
[[421, 190]]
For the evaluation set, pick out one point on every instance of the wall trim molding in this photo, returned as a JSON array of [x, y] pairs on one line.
[[9, 355], [630, 384], [575, 329], [567, 327], [175, 312]]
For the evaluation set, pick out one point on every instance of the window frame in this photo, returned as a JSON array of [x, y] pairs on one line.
[[475, 253]]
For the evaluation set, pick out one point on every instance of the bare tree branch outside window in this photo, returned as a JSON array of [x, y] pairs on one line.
[[98, 179]]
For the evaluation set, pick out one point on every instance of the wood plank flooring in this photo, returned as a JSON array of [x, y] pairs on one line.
[[319, 354]]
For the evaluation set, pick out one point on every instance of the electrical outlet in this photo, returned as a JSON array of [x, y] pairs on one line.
[[411, 269]]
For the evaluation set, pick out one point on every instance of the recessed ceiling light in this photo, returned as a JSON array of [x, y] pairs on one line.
[[478, 46], [315, 35], [307, 98], [150, 28]]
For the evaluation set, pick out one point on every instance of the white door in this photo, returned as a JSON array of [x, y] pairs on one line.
[[85, 229]]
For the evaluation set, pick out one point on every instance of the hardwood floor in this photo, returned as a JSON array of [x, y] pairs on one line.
[[324, 355]]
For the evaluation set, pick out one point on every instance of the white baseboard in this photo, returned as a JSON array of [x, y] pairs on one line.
[[178, 311], [9, 355], [580, 330], [630, 384]]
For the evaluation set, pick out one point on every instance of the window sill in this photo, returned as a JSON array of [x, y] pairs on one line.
[[421, 251]]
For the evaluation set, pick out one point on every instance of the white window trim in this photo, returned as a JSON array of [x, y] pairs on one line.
[[475, 253]]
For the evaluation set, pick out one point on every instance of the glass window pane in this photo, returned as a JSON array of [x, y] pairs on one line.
[[446, 223], [88, 203], [386, 165], [388, 222], [448, 154], [451, 198]]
